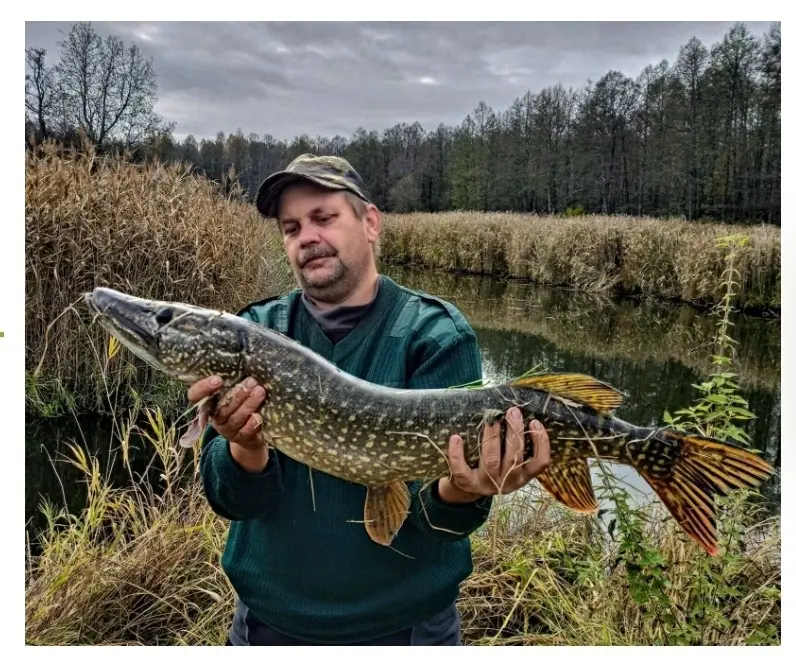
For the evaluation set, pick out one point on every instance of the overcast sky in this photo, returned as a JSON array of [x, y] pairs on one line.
[[330, 78]]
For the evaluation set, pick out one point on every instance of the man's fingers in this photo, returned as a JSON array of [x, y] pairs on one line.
[[232, 401], [252, 427], [203, 388], [515, 443], [461, 475], [248, 406], [490, 452], [541, 449]]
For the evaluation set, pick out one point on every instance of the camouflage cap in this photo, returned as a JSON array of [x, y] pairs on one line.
[[328, 171]]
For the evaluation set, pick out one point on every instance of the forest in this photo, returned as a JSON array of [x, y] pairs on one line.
[[697, 137]]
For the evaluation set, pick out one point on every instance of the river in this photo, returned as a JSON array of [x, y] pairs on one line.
[[654, 352]]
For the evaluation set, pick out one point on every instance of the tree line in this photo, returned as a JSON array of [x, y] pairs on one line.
[[698, 137]]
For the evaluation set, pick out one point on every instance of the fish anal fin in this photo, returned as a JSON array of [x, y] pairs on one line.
[[570, 483], [581, 388], [386, 509], [691, 507]]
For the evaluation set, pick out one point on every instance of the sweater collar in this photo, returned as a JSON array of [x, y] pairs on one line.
[[368, 321], [340, 318]]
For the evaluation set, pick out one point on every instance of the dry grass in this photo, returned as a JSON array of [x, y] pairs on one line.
[[156, 231], [670, 259], [546, 576], [141, 565]]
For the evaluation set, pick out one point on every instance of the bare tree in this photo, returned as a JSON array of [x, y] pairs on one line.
[[39, 92], [108, 90]]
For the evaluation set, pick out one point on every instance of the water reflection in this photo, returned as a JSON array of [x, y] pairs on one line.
[[576, 322], [653, 352]]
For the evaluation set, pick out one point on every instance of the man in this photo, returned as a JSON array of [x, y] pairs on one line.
[[305, 570]]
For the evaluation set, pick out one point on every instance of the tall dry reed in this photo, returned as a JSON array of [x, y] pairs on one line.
[[156, 231], [670, 259]]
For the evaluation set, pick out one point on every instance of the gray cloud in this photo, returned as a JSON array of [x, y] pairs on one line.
[[287, 79]]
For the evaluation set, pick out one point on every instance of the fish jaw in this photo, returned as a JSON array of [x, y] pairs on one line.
[[184, 342], [126, 319]]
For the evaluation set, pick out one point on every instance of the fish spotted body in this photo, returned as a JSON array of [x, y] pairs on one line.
[[383, 437]]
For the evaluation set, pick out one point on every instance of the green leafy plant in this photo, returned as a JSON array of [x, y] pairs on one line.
[[720, 407], [712, 600], [575, 211]]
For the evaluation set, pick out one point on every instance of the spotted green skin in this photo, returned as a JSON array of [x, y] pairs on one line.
[[362, 432], [372, 435]]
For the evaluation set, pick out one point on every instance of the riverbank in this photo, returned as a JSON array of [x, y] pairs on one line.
[[164, 232], [668, 259], [138, 563]]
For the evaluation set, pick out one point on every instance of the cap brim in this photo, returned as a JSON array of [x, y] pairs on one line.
[[269, 191]]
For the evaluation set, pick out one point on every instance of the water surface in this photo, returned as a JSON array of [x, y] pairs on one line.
[[653, 352]]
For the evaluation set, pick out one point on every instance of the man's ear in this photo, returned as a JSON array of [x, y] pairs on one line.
[[373, 223]]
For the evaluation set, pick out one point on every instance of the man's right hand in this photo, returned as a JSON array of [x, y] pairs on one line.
[[237, 419]]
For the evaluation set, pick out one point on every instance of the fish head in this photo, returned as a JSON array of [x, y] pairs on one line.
[[183, 341]]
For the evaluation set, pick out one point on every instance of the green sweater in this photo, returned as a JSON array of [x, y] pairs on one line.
[[309, 572]]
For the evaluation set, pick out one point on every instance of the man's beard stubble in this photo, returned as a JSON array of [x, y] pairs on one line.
[[331, 287]]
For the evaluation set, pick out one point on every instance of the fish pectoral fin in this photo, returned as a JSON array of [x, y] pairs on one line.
[[386, 509], [570, 483], [194, 430], [579, 387]]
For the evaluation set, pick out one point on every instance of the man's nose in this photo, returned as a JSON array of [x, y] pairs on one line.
[[308, 235]]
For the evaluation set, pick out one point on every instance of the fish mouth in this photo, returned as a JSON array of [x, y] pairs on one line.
[[128, 319]]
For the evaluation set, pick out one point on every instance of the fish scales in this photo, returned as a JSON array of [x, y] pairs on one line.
[[411, 430], [382, 437]]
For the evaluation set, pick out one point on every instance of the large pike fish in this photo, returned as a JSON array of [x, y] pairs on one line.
[[382, 437]]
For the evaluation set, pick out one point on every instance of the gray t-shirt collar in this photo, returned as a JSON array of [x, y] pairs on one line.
[[339, 319]]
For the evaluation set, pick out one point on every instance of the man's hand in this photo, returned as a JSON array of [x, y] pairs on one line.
[[496, 476], [237, 419]]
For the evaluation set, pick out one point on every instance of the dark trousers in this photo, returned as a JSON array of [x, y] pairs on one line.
[[443, 629]]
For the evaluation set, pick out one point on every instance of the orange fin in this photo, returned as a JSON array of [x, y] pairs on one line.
[[578, 387], [702, 468], [386, 509], [570, 483]]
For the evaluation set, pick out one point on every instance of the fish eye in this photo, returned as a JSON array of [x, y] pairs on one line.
[[164, 316]]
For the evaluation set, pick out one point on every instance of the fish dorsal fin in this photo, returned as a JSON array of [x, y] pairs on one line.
[[570, 483], [386, 508], [578, 387]]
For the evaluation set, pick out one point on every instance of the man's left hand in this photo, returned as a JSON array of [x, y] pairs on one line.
[[495, 475]]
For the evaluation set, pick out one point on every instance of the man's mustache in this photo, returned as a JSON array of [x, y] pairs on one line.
[[315, 252]]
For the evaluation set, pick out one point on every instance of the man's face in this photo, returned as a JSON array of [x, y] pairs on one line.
[[328, 246]]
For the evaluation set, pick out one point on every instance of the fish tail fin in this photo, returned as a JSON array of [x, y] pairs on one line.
[[689, 470]]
